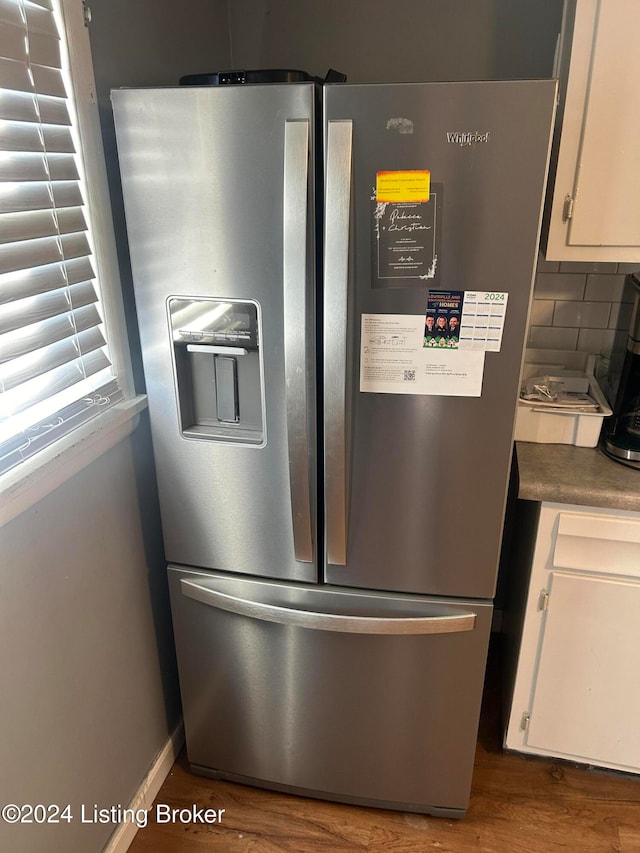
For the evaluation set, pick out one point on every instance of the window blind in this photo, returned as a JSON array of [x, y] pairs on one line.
[[55, 369]]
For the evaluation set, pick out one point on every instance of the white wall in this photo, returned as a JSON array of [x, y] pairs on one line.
[[154, 42], [89, 691], [399, 41]]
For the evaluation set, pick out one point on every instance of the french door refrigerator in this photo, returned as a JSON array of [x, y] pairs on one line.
[[332, 290]]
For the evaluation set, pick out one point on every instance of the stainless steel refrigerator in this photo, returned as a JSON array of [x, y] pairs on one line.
[[332, 463]]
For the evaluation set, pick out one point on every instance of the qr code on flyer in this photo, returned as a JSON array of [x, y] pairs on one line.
[[409, 376]]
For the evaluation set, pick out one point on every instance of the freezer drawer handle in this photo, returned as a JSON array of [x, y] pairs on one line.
[[453, 621], [295, 286], [336, 283]]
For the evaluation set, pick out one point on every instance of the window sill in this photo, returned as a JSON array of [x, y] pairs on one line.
[[29, 482]]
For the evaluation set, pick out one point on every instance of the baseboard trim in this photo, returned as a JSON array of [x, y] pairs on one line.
[[143, 798]]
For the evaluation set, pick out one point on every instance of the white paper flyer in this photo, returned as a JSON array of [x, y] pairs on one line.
[[394, 360]]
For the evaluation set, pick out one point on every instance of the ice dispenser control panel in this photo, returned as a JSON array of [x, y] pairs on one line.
[[218, 369]]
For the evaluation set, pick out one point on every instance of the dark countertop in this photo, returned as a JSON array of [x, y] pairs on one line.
[[561, 473]]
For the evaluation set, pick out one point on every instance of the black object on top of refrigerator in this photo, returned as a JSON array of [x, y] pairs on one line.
[[260, 75], [332, 495]]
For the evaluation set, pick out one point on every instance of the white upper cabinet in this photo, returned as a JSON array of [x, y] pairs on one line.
[[593, 211]]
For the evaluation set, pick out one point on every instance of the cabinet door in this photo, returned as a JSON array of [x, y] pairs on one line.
[[595, 213], [586, 693]]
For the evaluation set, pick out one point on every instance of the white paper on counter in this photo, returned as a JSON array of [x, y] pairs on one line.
[[393, 360]]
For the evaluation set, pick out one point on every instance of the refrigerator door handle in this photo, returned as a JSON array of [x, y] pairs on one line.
[[451, 621], [336, 282], [295, 230]]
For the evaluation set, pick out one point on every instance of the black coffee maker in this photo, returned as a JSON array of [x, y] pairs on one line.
[[621, 432]]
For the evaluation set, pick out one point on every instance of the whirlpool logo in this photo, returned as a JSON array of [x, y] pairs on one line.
[[464, 139]]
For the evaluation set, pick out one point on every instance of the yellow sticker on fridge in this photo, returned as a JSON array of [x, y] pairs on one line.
[[400, 187]]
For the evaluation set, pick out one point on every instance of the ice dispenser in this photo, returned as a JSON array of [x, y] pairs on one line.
[[218, 369]]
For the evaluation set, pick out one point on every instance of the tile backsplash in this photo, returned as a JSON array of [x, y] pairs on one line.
[[578, 307]]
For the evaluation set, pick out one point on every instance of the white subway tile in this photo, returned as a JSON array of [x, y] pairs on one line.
[[598, 266], [604, 288], [570, 359], [582, 315], [552, 337], [620, 316], [566, 286], [542, 312], [596, 340]]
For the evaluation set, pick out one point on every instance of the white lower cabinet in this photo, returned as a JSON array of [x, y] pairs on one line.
[[577, 683]]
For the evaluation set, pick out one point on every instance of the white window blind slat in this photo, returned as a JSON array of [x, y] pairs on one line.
[[10, 13], [24, 136], [21, 370], [74, 245], [14, 75], [23, 167], [12, 36], [48, 81], [26, 226], [36, 166], [24, 312], [57, 138], [16, 256], [31, 282], [53, 110], [44, 51], [44, 250], [62, 167], [26, 106], [48, 386], [66, 193], [40, 20], [39, 335], [18, 197], [44, 4], [40, 223], [21, 136], [55, 369], [18, 106]]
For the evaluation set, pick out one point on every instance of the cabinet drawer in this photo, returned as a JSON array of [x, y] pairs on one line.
[[598, 543]]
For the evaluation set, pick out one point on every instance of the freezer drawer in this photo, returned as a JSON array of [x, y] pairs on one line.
[[330, 692]]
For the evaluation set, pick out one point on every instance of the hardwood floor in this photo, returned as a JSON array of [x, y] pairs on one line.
[[518, 805]]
